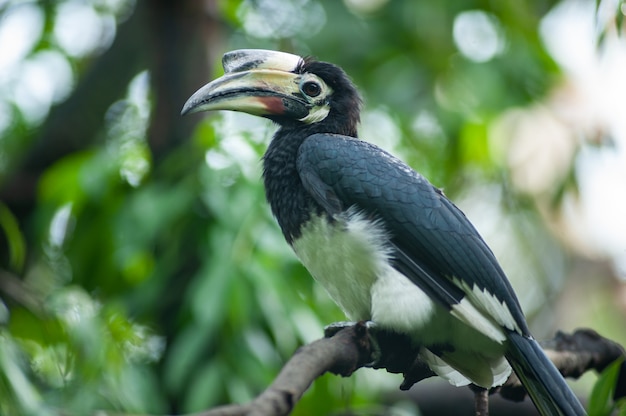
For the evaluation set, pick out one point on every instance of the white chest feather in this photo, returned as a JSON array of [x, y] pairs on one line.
[[350, 259]]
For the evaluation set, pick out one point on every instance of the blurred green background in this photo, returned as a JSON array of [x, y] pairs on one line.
[[140, 268]]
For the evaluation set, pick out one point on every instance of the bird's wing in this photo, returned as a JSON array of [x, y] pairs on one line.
[[435, 245]]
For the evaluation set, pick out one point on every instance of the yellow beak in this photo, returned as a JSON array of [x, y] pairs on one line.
[[256, 82]]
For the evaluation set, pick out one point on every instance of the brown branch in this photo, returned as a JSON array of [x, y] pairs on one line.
[[481, 402], [575, 354], [344, 353], [15, 289], [184, 40], [352, 347]]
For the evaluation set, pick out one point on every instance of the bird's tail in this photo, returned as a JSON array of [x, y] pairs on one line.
[[543, 382]]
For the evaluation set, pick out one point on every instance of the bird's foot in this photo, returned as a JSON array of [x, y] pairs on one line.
[[376, 352], [332, 329], [371, 328]]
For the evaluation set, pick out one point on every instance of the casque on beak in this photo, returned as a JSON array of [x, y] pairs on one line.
[[256, 82]]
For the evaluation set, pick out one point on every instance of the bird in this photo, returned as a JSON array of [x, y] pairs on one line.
[[387, 245]]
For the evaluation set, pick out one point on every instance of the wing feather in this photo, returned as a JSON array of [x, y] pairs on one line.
[[434, 244]]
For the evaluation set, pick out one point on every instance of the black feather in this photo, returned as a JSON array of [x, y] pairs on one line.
[[542, 380]]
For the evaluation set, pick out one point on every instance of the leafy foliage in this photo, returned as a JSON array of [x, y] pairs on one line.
[[601, 398], [136, 279]]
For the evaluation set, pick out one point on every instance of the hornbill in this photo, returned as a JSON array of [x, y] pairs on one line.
[[387, 246]]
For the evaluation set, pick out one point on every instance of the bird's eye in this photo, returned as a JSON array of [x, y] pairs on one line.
[[312, 89]]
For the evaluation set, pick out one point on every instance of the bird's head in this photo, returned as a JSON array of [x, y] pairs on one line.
[[288, 89]]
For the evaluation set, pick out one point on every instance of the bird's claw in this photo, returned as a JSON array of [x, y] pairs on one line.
[[332, 329]]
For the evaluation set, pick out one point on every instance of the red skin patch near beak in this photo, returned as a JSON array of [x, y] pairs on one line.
[[274, 105]]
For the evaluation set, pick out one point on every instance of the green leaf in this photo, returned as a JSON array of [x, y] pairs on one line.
[[473, 145], [621, 407], [600, 401], [14, 237], [206, 387], [60, 183], [18, 392]]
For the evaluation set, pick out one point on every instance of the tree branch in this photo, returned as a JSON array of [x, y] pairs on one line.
[[352, 347], [344, 353], [575, 354]]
